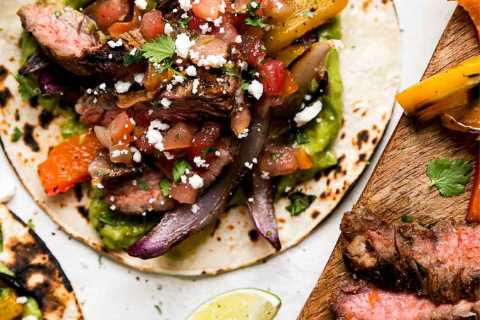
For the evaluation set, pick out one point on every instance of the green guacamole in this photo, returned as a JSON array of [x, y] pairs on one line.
[[318, 136], [117, 231]]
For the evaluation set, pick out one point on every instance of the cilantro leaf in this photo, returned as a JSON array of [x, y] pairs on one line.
[[179, 169], [16, 134], [449, 176], [27, 87], [165, 187], [301, 138], [299, 202], [208, 150], [142, 184], [256, 21], [130, 59], [183, 23], [159, 49]]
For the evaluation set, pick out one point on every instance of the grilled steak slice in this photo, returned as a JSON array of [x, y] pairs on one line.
[[441, 262], [223, 158], [64, 33], [136, 196], [357, 301], [98, 109], [103, 168], [213, 91]]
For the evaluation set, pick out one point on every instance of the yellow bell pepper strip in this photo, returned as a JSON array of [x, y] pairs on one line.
[[455, 100], [308, 15], [473, 9], [290, 53], [440, 86]]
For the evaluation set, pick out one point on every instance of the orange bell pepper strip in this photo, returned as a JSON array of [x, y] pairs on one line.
[[303, 159], [67, 163], [473, 214], [473, 9]]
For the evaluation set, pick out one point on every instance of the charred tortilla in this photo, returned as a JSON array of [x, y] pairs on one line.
[[36, 269], [370, 66]]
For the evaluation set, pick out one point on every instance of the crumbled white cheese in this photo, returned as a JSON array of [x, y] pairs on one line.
[[212, 60], [141, 4], [308, 97], [139, 77], [248, 165], [238, 39], [165, 102], [113, 207], [22, 300], [89, 91], [255, 88], [255, 160], [243, 65], [102, 86], [137, 156], [178, 61], [195, 85], [265, 175], [222, 7], [7, 190], [168, 28], [250, 199], [185, 4], [309, 113], [114, 44], [253, 4], [196, 181], [204, 28], [183, 178], [222, 30], [178, 79], [183, 45], [217, 153], [243, 134], [168, 155], [191, 71], [195, 208], [122, 86], [154, 136], [133, 51], [200, 163], [100, 186], [217, 22], [151, 200], [110, 56]]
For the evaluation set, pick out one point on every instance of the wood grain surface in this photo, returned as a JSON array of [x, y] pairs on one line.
[[399, 184]]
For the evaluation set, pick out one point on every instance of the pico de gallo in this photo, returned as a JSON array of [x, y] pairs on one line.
[[175, 110]]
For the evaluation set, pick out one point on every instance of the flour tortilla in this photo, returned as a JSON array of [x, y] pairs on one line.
[[370, 63], [36, 269]]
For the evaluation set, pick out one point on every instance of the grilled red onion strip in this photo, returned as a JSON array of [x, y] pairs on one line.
[[261, 210], [186, 220]]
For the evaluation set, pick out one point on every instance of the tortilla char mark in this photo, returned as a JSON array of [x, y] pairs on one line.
[[65, 34], [39, 272], [440, 262], [362, 302]]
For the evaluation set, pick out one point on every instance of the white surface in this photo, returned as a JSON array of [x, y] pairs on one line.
[[109, 291]]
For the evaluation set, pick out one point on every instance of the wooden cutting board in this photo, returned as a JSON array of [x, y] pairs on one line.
[[399, 184]]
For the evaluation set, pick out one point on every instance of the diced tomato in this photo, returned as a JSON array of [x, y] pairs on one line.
[[207, 9], [279, 161], [184, 193], [107, 12], [152, 24], [67, 163], [229, 33], [118, 28], [178, 137], [195, 23], [121, 128], [252, 46], [273, 74], [303, 159], [207, 137]]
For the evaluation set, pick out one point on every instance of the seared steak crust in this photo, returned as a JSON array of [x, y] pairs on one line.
[[357, 301], [441, 262], [137, 196], [64, 33]]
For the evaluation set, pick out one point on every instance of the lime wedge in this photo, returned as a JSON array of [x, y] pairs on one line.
[[241, 304]]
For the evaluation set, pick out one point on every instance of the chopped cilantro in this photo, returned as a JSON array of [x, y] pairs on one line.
[[165, 187], [27, 87], [208, 150], [183, 23], [142, 184], [16, 134], [159, 50], [158, 308], [30, 224], [256, 21], [130, 59], [301, 138], [244, 85], [407, 218], [299, 202], [179, 169], [449, 176]]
